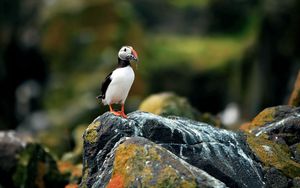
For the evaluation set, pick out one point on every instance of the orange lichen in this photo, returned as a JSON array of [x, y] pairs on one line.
[[71, 186], [67, 167], [117, 181]]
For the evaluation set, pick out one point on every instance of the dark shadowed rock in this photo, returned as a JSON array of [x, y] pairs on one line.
[[222, 154], [295, 149], [296, 182], [275, 178]]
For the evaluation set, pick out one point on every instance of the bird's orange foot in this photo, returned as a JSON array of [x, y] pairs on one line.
[[123, 114], [116, 113]]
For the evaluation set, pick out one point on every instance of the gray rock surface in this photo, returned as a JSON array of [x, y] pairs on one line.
[[222, 154]]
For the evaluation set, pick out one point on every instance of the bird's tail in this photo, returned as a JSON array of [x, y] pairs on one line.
[[100, 97]]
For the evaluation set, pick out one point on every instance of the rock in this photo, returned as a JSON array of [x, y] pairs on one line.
[[296, 182], [295, 96], [284, 124], [137, 162], [166, 104], [11, 144], [275, 178], [274, 138], [36, 168], [267, 116], [295, 149], [169, 104], [26, 164], [272, 154], [223, 154]]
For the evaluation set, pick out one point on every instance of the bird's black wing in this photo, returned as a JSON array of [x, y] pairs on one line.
[[104, 86]]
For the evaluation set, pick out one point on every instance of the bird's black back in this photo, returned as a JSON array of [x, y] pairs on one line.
[[104, 86]]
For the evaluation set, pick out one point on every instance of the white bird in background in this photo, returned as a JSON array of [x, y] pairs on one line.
[[115, 87]]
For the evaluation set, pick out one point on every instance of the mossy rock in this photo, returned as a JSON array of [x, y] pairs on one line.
[[167, 104], [265, 116], [36, 168], [91, 132], [269, 116], [139, 162], [170, 104], [272, 154]]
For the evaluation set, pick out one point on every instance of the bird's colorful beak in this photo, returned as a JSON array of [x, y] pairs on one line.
[[134, 55]]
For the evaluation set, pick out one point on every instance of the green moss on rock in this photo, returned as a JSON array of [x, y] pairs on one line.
[[152, 166], [91, 132], [265, 116], [273, 154], [169, 104]]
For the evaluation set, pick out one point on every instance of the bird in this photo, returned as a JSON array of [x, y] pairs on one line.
[[116, 85]]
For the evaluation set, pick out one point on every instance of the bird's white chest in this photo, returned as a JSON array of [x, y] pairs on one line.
[[121, 82]]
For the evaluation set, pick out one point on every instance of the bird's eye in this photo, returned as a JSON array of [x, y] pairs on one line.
[[125, 50]]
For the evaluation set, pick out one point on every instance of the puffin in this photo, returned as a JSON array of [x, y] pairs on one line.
[[116, 85]]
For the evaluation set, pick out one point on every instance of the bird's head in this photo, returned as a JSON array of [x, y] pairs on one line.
[[127, 53]]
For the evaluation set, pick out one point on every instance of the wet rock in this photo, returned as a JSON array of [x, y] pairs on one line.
[[223, 154], [275, 178], [137, 162], [169, 104], [295, 96]]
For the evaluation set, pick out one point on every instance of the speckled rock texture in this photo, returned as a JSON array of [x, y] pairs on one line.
[[127, 152], [274, 137]]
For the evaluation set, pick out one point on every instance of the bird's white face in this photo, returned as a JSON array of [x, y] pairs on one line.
[[128, 53]]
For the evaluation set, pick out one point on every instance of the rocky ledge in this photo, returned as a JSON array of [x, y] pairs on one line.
[[148, 150]]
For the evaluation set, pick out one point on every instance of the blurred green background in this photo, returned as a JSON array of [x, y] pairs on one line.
[[55, 53]]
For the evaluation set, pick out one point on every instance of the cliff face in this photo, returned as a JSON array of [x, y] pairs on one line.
[[150, 150]]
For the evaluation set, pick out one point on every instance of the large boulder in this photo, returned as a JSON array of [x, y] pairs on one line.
[[137, 162], [199, 148]]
